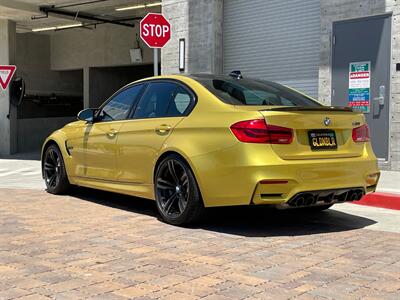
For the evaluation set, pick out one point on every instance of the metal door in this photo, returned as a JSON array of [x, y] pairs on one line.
[[361, 73]]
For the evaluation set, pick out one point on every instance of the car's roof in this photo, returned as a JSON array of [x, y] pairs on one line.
[[202, 76]]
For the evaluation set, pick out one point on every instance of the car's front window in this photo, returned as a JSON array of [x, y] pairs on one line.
[[253, 92], [120, 105], [163, 99]]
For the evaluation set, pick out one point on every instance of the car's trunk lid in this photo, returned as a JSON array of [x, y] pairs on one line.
[[307, 121]]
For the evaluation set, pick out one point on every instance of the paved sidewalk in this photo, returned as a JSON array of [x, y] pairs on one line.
[[96, 245], [389, 182]]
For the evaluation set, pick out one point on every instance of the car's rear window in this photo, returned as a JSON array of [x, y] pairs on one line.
[[252, 92]]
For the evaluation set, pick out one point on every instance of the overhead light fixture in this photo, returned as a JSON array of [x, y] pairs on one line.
[[57, 27], [138, 6], [44, 29], [130, 7], [69, 26], [153, 4]]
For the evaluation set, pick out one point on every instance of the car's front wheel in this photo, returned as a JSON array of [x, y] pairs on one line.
[[177, 194], [54, 173]]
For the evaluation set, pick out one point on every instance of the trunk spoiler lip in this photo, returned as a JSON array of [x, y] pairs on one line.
[[310, 108]]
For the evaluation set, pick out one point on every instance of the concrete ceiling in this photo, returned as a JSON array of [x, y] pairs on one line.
[[22, 11]]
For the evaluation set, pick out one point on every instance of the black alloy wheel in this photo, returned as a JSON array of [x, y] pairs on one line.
[[54, 171], [177, 194]]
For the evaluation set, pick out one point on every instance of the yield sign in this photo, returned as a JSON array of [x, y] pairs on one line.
[[6, 73]]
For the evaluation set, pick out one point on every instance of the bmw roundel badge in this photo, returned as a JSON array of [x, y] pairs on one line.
[[327, 121]]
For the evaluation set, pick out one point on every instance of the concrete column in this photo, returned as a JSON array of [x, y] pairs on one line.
[[205, 36], [86, 87], [177, 13], [8, 113], [199, 22]]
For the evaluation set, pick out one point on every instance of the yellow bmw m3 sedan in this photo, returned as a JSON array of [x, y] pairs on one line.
[[197, 141]]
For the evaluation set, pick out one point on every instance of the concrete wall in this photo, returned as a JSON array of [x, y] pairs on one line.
[[33, 61], [199, 22], [177, 13], [8, 113], [205, 36], [349, 9], [107, 45]]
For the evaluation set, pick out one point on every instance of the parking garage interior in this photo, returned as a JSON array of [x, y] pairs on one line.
[[69, 55]]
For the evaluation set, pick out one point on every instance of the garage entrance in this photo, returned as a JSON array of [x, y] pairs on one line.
[[70, 55], [361, 73], [105, 81]]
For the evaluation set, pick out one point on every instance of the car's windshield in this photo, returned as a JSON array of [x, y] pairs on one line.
[[253, 92]]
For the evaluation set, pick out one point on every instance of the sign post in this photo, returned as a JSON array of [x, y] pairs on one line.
[[155, 59], [155, 31]]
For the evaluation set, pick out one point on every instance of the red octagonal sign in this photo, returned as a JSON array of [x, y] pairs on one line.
[[155, 30]]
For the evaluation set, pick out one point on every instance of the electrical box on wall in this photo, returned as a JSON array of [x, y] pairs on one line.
[[136, 55]]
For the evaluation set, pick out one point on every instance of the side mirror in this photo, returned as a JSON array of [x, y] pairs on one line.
[[87, 115]]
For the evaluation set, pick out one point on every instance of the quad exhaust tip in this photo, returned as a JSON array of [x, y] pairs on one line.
[[314, 198]]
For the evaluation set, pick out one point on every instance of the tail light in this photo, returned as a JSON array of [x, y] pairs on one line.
[[361, 134], [257, 131]]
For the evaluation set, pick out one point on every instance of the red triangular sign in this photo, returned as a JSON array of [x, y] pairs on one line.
[[6, 73]]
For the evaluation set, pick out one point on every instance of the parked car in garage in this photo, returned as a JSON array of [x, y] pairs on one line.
[[197, 141]]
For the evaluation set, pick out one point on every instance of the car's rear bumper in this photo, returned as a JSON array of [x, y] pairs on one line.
[[323, 178], [234, 176]]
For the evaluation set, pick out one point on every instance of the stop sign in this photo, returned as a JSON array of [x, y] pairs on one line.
[[155, 30]]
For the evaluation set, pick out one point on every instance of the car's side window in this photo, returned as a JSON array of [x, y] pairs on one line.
[[180, 102], [120, 105], [156, 100]]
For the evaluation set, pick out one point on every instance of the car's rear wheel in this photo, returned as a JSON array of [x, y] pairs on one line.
[[54, 172], [177, 194]]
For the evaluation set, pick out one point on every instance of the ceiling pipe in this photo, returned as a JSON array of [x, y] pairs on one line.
[[81, 3], [81, 15]]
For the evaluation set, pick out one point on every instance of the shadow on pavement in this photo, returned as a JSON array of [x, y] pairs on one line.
[[262, 221], [249, 221]]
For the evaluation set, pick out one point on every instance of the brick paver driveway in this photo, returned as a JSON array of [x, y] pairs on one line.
[[106, 246]]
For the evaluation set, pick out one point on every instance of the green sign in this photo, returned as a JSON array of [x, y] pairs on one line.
[[359, 67]]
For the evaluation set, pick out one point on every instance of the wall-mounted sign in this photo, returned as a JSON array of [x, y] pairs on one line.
[[359, 85], [6, 73]]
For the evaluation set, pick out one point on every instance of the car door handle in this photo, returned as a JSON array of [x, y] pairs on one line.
[[163, 129], [112, 133]]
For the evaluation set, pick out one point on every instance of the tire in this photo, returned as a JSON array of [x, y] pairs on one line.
[[177, 194], [318, 208], [53, 170]]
